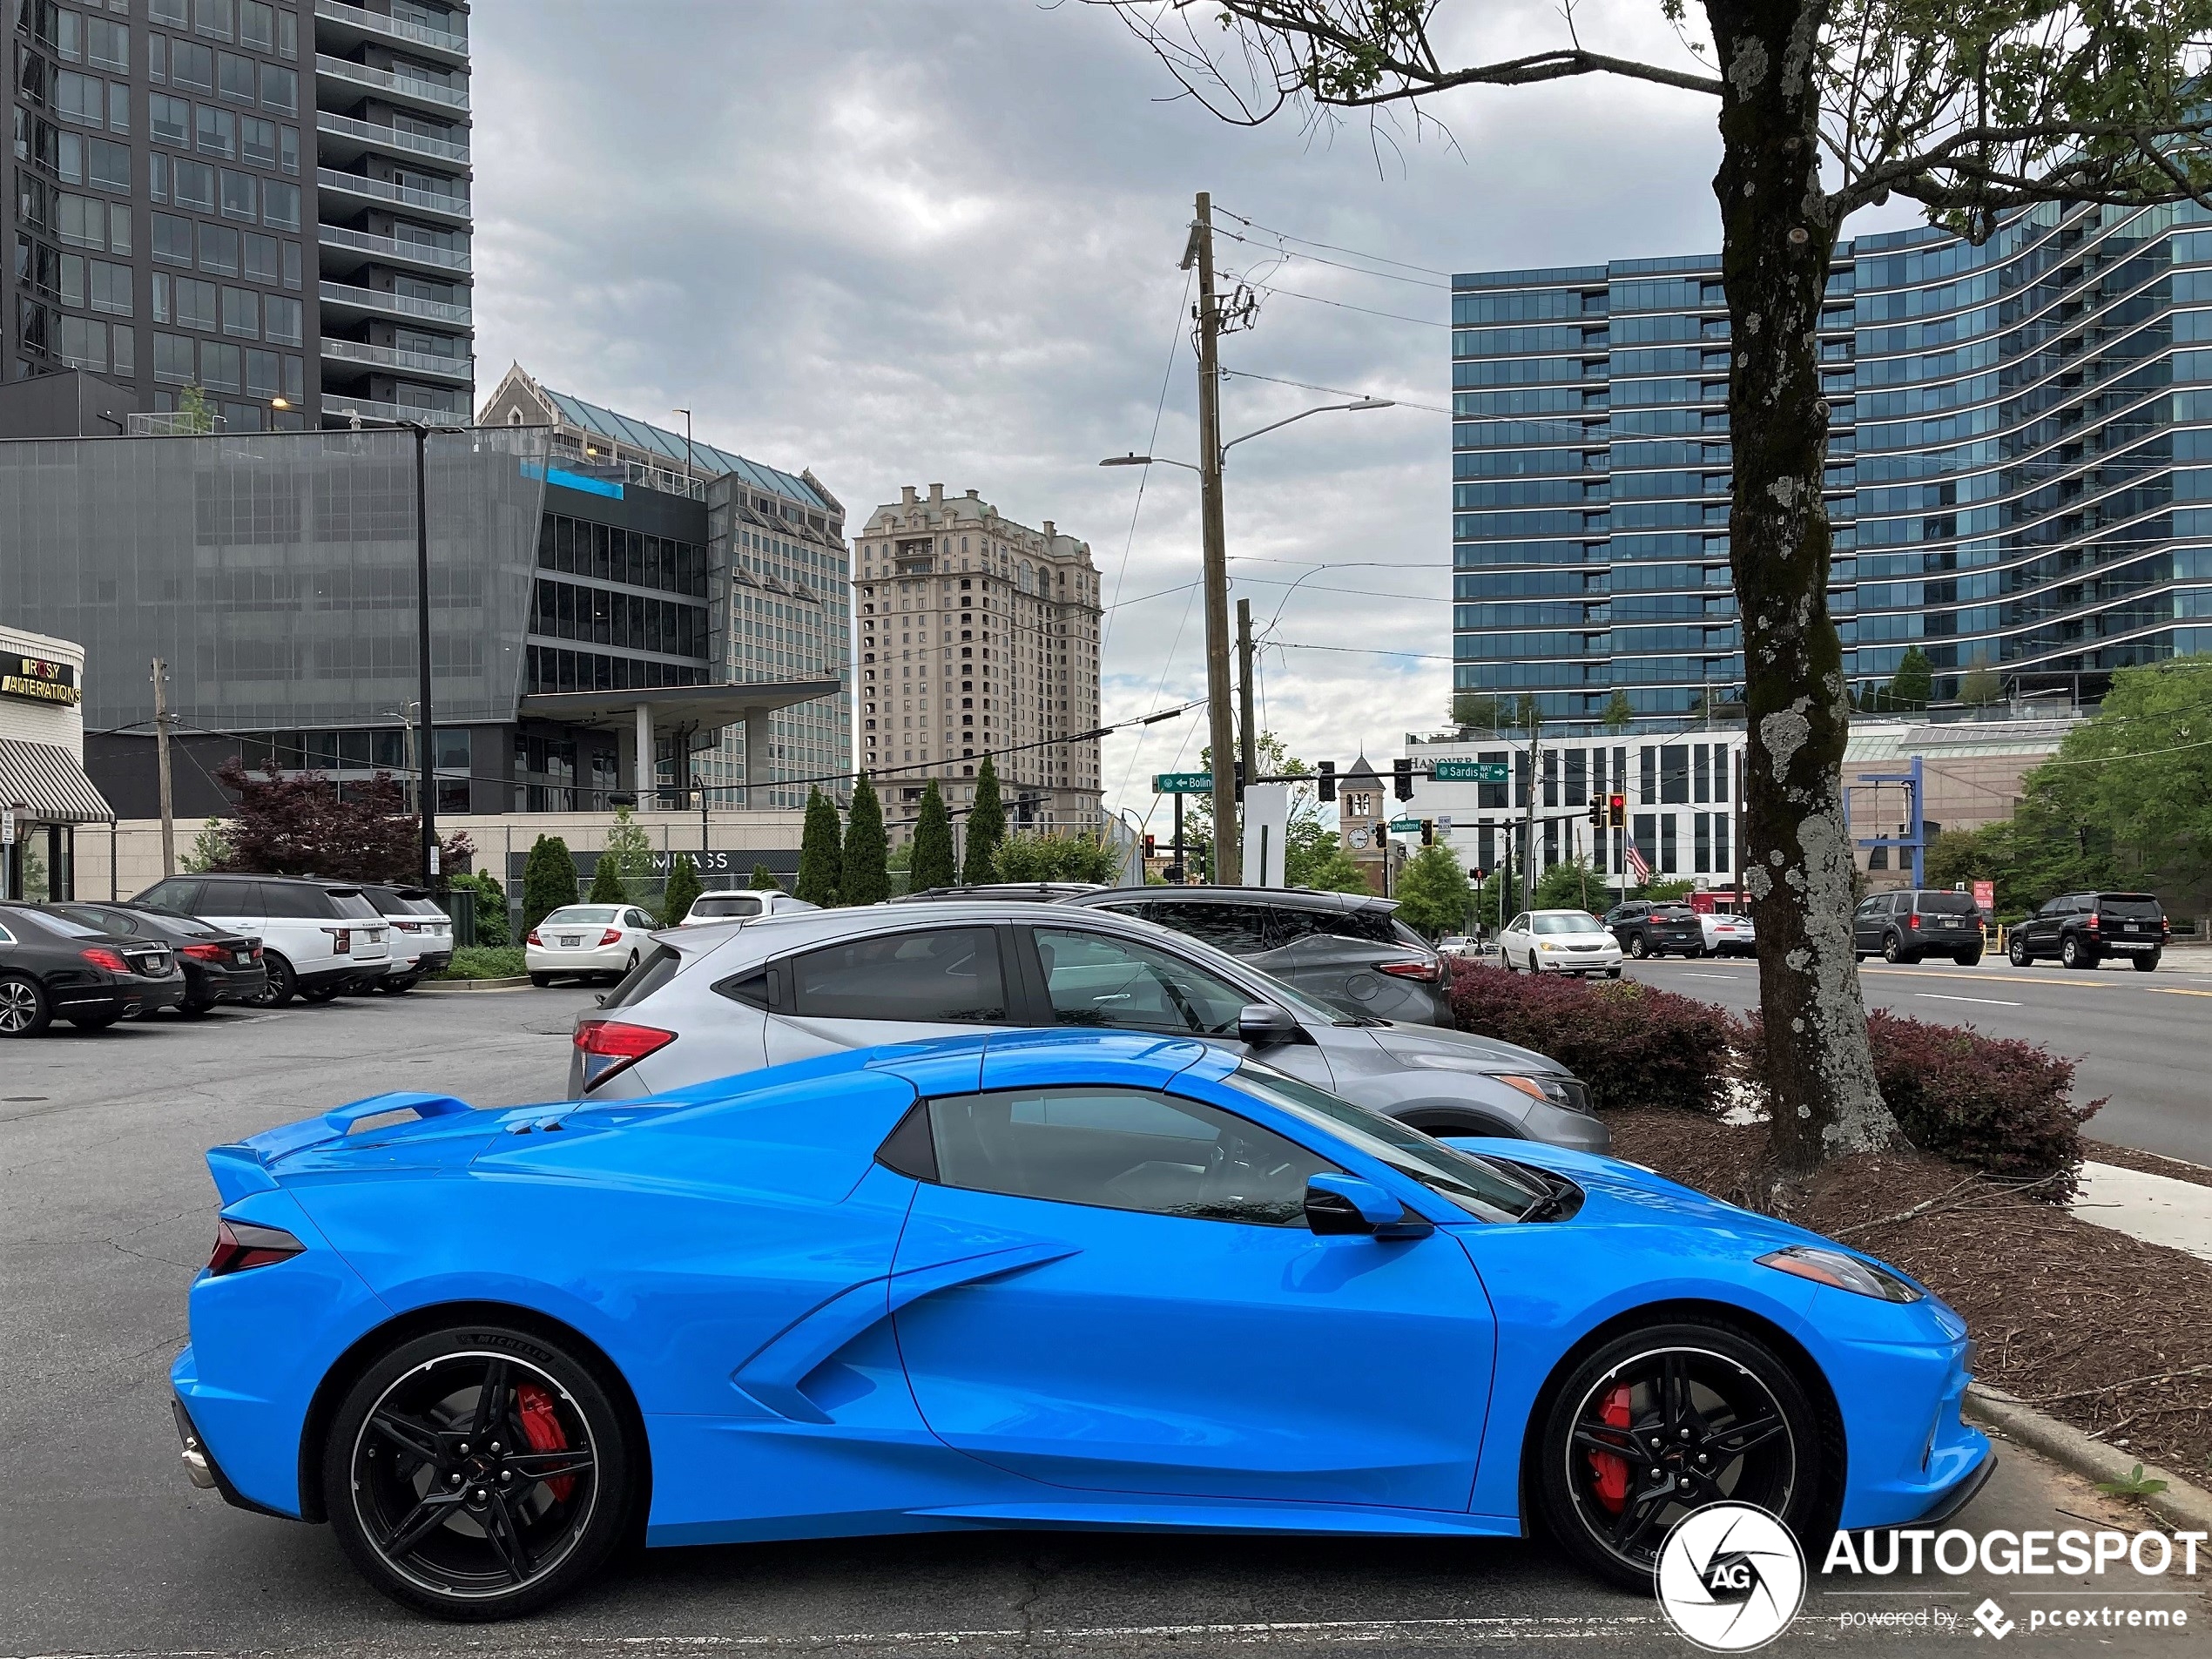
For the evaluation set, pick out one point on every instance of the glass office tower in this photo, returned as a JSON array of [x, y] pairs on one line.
[[2020, 472]]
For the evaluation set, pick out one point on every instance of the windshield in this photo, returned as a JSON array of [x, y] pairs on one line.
[[579, 915], [2140, 906], [1945, 904], [740, 905], [60, 924], [1481, 1187], [1564, 921]]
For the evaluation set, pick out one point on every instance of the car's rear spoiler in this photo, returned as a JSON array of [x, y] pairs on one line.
[[245, 1166]]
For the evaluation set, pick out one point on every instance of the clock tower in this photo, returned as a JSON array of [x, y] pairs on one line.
[[1363, 821]]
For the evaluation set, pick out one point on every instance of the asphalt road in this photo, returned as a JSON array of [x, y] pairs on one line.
[[104, 1549], [2141, 1039]]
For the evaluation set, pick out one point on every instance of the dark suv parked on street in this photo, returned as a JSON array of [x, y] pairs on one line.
[[1905, 927], [1652, 928], [1346, 948], [2081, 929]]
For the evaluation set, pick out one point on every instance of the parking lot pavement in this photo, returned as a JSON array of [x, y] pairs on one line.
[[108, 1551], [2138, 1036]]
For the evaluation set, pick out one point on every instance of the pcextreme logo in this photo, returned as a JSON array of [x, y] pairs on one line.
[[1730, 1577]]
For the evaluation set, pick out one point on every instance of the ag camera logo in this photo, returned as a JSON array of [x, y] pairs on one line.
[[1730, 1577]]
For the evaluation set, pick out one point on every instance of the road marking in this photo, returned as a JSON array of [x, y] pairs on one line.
[[1730, 978], [1986, 1002]]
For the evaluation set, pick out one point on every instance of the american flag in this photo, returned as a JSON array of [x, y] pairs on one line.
[[1638, 867]]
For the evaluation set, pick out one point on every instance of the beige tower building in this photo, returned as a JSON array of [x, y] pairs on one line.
[[976, 636]]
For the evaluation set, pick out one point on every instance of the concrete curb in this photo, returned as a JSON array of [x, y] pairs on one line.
[[2186, 1505], [447, 985]]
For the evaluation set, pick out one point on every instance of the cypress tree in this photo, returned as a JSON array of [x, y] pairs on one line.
[[821, 859], [548, 880], [986, 827], [606, 881], [932, 864], [764, 879], [683, 888], [867, 873]]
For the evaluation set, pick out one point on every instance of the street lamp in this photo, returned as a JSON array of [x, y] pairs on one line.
[[1215, 578]]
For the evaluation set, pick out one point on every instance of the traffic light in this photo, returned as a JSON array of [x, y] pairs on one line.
[[1429, 831], [1477, 875], [1617, 811], [1325, 787], [1150, 844], [1402, 778], [1597, 812]]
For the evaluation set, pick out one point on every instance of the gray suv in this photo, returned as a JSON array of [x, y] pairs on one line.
[[1346, 949], [724, 998]]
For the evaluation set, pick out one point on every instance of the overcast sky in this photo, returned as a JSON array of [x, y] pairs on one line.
[[936, 241]]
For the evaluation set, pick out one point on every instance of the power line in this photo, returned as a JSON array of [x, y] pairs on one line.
[[1315, 259], [1362, 650], [1369, 311], [1174, 336], [1339, 391], [1357, 253]]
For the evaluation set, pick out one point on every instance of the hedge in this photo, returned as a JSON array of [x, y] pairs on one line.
[[1632, 1044]]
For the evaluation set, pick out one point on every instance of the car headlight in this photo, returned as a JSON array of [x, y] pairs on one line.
[[1845, 1273], [1546, 944], [1544, 1088]]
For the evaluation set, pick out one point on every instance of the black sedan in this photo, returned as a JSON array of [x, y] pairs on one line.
[[219, 965], [52, 966]]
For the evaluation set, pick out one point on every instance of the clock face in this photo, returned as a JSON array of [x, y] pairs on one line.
[[1359, 839]]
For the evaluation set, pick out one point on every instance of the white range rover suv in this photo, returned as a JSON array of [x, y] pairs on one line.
[[318, 938]]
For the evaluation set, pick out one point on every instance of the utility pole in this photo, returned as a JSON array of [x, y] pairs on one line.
[[1221, 732], [425, 749], [1249, 749], [1529, 833], [1182, 872], [161, 763]]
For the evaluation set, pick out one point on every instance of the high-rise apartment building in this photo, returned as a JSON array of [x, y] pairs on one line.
[[2019, 472], [266, 200], [978, 636], [771, 577]]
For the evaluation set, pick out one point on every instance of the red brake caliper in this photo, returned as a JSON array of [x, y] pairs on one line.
[[1611, 1468], [542, 1428]]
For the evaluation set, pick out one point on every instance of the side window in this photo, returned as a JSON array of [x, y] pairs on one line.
[[1869, 907], [946, 975], [180, 898], [1240, 929], [637, 919], [1095, 980], [296, 903], [1519, 924], [1122, 1149], [1369, 927]]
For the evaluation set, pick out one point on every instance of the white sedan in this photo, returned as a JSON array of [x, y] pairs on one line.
[[1559, 941], [1726, 936], [582, 939]]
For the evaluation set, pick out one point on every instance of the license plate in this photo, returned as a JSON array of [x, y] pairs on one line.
[[569, 942], [1952, 921], [245, 958], [2130, 926]]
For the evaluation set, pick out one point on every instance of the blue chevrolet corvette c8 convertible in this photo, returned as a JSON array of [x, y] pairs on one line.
[[1036, 1280]]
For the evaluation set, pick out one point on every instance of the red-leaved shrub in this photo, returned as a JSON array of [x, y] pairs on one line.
[[1997, 1104], [1632, 1044]]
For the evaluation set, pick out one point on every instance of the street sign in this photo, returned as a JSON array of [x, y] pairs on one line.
[[1183, 783], [1468, 771], [1444, 823], [7, 826], [1405, 826]]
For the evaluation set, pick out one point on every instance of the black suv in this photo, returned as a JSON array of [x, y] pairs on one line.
[[1906, 926], [2081, 929], [1348, 950], [1652, 928]]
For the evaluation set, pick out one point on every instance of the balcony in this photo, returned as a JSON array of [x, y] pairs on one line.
[[345, 407], [398, 89], [351, 25], [387, 249], [355, 136], [460, 370], [452, 210], [344, 297]]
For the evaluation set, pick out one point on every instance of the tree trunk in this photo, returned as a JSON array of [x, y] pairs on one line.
[[1779, 232]]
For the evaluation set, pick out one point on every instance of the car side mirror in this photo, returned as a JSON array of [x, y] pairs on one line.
[[1261, 1024], [1338, 1205], [599, 999]]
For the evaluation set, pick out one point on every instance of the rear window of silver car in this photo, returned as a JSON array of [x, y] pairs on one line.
[[715, 906]]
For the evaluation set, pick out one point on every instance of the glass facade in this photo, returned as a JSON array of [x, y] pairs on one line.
[[2016, 453], [275, 573]]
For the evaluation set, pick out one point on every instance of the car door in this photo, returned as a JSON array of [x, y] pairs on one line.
[[886, 987], [1169, 1324], [1516, 943], [1097, 980], [1866, 924]]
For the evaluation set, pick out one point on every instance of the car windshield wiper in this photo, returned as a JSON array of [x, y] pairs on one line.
[[1357, 1021]]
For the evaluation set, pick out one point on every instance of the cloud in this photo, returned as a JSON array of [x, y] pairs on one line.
[[914, 241]]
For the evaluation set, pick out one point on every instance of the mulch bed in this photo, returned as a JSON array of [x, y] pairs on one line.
[[2148, 1163], [2107, 1333]]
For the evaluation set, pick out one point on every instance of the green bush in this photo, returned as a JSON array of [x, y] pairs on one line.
[[489, 899], [485, 962]]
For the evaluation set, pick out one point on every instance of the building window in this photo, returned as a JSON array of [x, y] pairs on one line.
[[1668, 856], [169, 119], [173, 239], [284, 319]]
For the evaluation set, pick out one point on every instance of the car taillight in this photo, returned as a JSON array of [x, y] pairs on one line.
[[531, 938], [1423, 971], [341, 941], [240, 1244], [609, 1045], [1912, 919], [612, 936], [2092, 923], [409, 927], [206, 953], [257, 952], [101, 956]]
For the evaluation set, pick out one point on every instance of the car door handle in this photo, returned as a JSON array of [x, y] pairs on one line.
[[772, 1377]]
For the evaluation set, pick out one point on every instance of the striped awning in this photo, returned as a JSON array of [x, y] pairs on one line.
[[45, 783]]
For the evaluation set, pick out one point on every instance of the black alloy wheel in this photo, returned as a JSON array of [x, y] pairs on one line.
[[2016, 952], [1665, 1421], [281, 987], [478, 1474], [25, 1011]]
